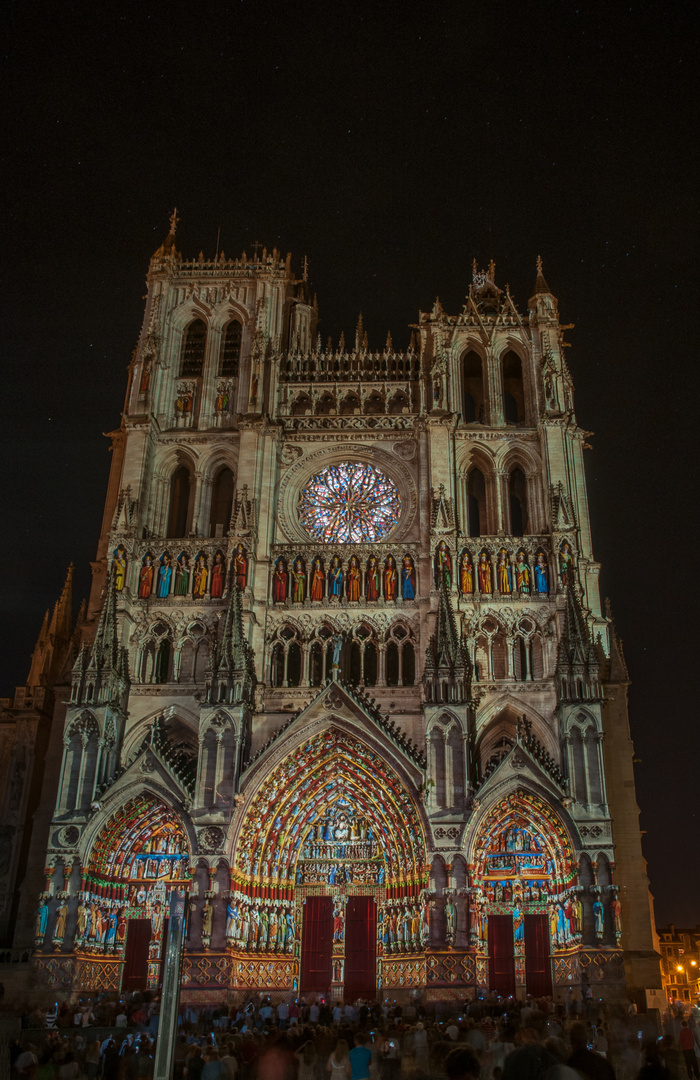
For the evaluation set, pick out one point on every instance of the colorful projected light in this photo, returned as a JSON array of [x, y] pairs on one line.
[[349, 503]]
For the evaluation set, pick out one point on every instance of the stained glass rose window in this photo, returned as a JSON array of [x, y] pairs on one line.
[[349, 503]]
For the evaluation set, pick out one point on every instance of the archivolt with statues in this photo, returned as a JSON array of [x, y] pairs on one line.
[[332, 809]]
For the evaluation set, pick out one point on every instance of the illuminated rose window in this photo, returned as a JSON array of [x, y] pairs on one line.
[[349, 503]]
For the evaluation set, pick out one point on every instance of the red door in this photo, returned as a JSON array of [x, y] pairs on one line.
[[360, 948], [316, 945], [501, 962], [138, 935], [538, 969]]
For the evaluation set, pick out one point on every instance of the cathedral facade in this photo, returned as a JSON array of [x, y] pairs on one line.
[[344, 675]]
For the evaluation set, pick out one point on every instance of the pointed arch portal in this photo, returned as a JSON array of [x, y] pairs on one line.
[[333, 846], [525, 901], [139, 855]]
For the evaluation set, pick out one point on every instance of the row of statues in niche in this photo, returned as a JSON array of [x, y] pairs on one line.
[[163, 577], [513, 572], [373, 581], [404, 925], [257, 925]]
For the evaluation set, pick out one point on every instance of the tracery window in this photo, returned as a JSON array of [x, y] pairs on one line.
[[349, 503]]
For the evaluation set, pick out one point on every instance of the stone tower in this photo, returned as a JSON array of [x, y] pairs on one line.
[[345, 673]]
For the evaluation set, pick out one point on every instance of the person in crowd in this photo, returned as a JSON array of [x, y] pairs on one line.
[[338, 1064]]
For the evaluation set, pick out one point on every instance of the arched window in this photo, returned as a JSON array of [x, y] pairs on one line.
[[230, 349], [221, 503], [193, 348], [578, 766], [301, 405], [161, 671], [180, 491], [326, 405], [517, 490], [294, 665], [392, 664], [473, 381], [355, 663], [513, 394], [316, 665], [350, 405], [476, 502], [277, 665], [408, 665], [370, 664]]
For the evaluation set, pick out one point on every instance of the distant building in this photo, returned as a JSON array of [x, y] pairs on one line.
[[344, 672], [680, 963]]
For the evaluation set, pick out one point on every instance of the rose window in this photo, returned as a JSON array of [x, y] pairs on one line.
[[350, 503]]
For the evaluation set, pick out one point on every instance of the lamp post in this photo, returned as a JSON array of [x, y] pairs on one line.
[[170, 994]]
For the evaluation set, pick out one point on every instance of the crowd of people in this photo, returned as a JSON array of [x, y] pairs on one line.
[[115, 1038]]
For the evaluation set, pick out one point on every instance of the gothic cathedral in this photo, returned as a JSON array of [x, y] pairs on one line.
[[344, 675]]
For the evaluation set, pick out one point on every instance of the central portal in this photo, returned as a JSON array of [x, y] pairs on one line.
[[339, 947]]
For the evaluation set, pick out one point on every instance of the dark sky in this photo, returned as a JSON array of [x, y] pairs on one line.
[[391, 146]]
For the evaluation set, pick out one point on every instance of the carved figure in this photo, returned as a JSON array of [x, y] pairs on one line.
[[298, 582], [146, 578], [599, 916], [201, 575], [518, 924], [503, 572], [522, 572], [318, 580], [373, 579], [408, 579], [240, 566], [165, 573], [466, 575], [59, 929], [443, 565], [616, 912], [353, 585], [119, 567], [182, 575], [335, 578], [450, 917], [541, 574], [566, 562], [390, 578], [207, 919], [485, 585], [279, 582], [42, 918], [218, 576]]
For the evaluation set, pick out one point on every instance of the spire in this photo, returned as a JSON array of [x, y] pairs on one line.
[[305, 274], [105, 645], [54, 639], [578, 668], [541, 285], [167, 249], [360, 336], [101, 677], [389, 341], [447, 665], [231, 675], [62, 618]]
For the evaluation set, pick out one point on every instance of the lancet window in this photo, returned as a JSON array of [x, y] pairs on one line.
[[193, 347]]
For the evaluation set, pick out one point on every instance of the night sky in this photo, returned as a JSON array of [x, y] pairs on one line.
[[392, 147]]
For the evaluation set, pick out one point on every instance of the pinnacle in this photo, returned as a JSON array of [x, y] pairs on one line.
[[541, 285]]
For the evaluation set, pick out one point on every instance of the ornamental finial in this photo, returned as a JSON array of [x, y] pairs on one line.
[[173, 221]]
